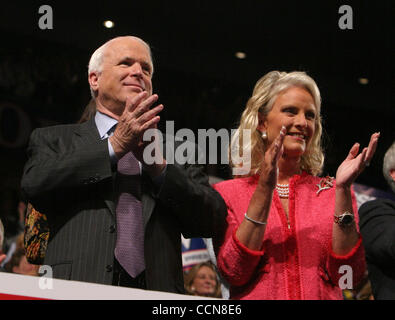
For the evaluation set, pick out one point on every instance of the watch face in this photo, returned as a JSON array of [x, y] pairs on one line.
[[347, 219]]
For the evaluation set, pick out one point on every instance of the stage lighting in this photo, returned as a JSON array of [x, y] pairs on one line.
[[108, 24]]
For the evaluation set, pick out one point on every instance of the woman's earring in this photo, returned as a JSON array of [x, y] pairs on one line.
[[264, 135]]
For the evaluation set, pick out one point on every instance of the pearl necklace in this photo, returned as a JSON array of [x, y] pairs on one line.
[[283, 190]]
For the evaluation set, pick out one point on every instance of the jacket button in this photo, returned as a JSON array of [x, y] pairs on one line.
[[109, 268], [112, 229]]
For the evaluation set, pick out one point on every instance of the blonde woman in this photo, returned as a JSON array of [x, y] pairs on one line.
[[202, 280], [291, 234]]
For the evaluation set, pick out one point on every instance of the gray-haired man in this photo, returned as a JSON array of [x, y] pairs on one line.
[[113, 217]]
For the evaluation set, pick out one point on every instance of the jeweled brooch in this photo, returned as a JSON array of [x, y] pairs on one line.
[[325, 183]]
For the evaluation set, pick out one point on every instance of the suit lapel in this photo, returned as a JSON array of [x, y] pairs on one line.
[[88, 131]]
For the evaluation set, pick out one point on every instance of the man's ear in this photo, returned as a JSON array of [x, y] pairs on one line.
[[392, 174], [93, 79]]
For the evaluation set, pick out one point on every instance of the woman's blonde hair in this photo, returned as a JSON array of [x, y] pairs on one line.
[[189, 277], [261, 102]]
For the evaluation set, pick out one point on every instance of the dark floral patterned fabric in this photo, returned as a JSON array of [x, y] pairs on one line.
[[36, 235]]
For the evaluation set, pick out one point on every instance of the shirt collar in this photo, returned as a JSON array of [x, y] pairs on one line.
[[104, 124]]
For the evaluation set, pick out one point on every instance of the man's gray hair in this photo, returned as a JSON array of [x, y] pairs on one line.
[[388, 164], [96, 60]]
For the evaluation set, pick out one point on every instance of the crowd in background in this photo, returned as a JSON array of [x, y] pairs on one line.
[[15, 260]]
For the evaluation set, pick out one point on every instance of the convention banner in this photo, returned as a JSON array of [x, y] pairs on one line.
[[194, 251]]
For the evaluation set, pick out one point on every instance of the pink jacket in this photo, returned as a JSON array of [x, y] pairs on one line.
[[296, 262]]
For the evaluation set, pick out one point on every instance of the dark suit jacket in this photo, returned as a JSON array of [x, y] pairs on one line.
[[377, 225], [69, 177]]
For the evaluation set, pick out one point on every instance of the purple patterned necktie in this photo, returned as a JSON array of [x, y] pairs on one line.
[[129, 249]]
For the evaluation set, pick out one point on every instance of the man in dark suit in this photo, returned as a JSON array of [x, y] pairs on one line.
[[377, 225], [80, 175]]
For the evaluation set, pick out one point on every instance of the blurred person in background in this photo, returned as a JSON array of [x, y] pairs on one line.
[[17, 262], [213, 259], [2, 255], [12, 213], [202, 280], [377, 224]]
